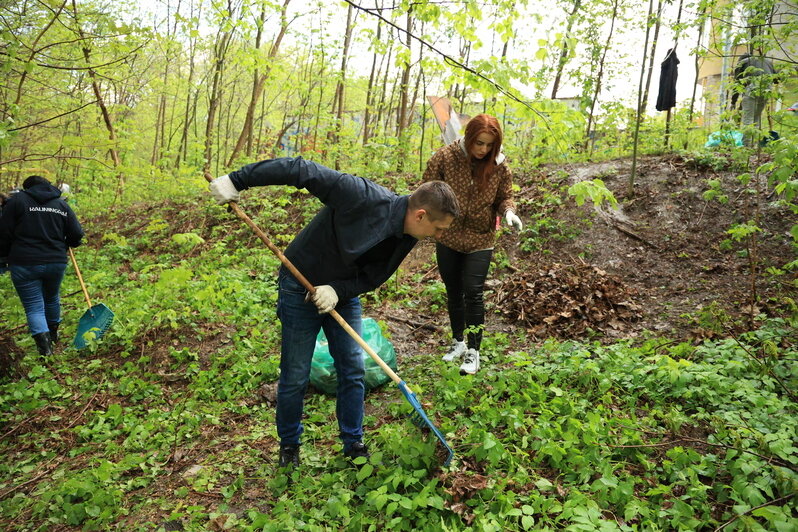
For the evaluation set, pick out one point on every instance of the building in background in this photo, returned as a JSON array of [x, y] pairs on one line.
[[725, 44]]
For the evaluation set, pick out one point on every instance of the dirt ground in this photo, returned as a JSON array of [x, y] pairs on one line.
[[661, 264]]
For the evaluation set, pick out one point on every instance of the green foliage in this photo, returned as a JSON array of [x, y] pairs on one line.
[[170, 415], [164, 417], [743, 231], [595, 190], [714, 192], [783, 170]]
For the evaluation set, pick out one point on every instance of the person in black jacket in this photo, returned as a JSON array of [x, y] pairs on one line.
[[36, 227], [352, 245]]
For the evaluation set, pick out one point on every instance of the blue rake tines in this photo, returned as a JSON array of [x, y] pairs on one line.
[[93, 325], [420, 419]]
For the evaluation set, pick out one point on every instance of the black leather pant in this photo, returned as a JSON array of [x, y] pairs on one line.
[[464, 275]]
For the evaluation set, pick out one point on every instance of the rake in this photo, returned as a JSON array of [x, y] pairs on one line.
[[418, 417], [96, 320]]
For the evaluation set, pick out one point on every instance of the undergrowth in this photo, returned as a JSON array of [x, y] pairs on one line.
[[170, 418]]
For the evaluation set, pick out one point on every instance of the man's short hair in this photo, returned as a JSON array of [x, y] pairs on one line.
[[34, 180], [437, 198]]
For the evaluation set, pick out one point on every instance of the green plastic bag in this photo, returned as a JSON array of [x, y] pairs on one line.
[[322, 368]]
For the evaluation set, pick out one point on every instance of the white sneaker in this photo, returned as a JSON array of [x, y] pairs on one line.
[[470, 363], [456, 351]]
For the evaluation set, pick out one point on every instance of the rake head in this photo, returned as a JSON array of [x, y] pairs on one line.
[[93, 325], [420, 419]]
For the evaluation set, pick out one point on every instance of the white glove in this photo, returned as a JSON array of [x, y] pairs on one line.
[[223, 190], [325, 298], [513, 220]]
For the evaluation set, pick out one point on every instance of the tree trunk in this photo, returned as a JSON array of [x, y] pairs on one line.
[[404, 89], [314, 144], [95, 86], [657, 24], [697, 67], [245, 137], [630, 189], [423, 120], [412, 104], [564, 49], [339, 100], [466, 55], [220, 53], [33, 51], [600, 75], [384, 91], [373, 76], [160, 118], [311, 80], [24, 75], [182, 151]]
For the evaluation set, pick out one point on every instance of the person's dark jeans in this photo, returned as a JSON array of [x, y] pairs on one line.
[[39, 289], [464, 275], [301, 323]]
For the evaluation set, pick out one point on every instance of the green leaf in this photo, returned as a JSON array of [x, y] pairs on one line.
[[365, 471]]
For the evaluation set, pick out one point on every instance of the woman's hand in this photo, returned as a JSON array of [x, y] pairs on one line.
[[513, 220]]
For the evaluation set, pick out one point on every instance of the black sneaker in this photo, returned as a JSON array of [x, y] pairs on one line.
[[289, 456], [356, 450]]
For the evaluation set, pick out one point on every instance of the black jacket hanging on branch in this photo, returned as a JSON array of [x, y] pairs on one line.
[[667, 81]]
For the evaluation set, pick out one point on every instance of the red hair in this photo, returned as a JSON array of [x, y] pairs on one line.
[[483, 123]]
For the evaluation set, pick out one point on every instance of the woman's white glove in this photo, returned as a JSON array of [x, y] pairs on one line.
[[324, 298], [223, 190], [513, 220]]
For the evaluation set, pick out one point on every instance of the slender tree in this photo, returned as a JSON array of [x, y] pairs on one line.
[[600, 74], [95, 86], [259, 79], [192, 94], [160, 119], [630, 189], [404, 85], [339, 102], [221, 45], [657, 22], [378, 48], [565, 50]]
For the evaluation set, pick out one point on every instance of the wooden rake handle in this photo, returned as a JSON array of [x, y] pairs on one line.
[[80, 277], [309, 287]]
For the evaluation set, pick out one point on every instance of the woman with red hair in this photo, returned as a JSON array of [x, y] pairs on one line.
[[474, 167]]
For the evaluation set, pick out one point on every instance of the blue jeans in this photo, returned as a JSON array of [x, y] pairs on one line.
[[301, 323], [39, 289]]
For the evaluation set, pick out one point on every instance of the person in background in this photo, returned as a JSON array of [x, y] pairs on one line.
[[474, 167], [36, 228], [352, 245], [5, 197], [755, 76]]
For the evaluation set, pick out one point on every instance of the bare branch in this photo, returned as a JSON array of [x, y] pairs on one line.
[[769, 503], [73, 68], [53, 117], [46, 156]]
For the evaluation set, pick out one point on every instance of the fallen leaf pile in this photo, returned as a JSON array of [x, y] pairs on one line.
[[565, 300]]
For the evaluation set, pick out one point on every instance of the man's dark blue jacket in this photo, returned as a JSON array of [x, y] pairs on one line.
[[356, 241], [37, 226]]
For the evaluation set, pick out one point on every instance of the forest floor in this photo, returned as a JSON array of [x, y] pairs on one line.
[[662, 264]]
